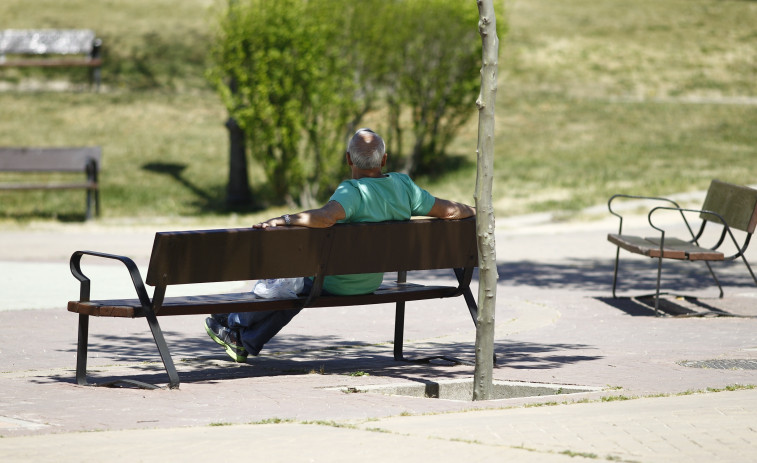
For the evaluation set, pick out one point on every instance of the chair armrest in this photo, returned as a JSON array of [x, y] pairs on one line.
[[84, 289], [624, 196]]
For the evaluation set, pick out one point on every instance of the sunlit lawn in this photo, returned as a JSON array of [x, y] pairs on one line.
[[595, 97]]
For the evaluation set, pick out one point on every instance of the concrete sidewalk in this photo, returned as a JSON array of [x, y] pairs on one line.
[[649, 381]]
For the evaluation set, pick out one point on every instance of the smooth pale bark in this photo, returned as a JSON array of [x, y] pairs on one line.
[[487, 291]]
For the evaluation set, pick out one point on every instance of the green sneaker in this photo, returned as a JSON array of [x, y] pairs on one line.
[[227, 338]]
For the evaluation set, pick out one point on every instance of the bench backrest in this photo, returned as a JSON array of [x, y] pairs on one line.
[[46, 41], [735, 203], [48, 159], [283, 252]]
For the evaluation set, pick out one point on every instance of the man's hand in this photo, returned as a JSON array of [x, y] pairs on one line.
[[274, 222]]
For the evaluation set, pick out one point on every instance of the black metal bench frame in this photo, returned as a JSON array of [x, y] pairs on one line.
[[82, 159], [52, 48], [733, 207], [283, 252]]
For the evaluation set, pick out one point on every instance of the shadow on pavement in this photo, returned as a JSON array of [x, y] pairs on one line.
[[199, 360], [633, 275]]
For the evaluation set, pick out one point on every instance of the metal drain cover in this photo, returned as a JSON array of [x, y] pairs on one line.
[[462, 389], [722, 364]]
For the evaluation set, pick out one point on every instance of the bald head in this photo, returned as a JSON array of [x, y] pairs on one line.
[[366, 149]]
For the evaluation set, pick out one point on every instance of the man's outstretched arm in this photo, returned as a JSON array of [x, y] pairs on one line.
[[323, 217], [446, 209]]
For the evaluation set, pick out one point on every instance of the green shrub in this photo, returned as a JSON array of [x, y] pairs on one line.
[[280, 72], [299, 76]]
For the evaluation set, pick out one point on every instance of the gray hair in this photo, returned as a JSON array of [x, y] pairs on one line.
[[366, 149]]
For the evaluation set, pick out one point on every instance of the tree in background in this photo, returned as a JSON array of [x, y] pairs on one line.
[[308, 72], [293, 95], [426, 56]]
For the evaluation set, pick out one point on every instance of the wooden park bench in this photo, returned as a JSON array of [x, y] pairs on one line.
[[189, 257], [30, 160], [730, 207], [52, 48]]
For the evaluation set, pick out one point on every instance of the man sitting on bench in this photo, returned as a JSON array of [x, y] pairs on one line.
[[370, 196]]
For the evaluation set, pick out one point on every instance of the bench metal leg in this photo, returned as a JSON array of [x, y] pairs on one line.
[[615, 274], [659, 280], [399, 330], [657, 292], [749, 267], [88, 214], [81, 350], [81, 356], [399, 323], [165, 355]]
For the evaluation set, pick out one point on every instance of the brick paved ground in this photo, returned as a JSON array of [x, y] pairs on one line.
[[555, 324]]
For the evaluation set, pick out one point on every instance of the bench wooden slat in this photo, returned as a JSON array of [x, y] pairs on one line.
[[47, 41], [735, 203], [51, 159], [691, 251], [214, 255], [49, 186], [248, 302], [639, 245], [52, 62], [674, 248]]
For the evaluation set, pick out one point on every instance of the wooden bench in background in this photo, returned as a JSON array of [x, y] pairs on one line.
[[85, 160], [52, 48], [730, 207], [283, 252]]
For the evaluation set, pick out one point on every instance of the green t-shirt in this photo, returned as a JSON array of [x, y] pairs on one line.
[[391, 197]]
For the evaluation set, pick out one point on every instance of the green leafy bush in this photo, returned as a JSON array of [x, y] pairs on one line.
[[281, 73], [298, 76]]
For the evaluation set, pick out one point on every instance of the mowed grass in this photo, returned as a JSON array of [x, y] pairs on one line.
[[595, 98]]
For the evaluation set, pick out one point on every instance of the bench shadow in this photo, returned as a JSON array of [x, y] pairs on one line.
[[202, 361], [670, 305], [633, 275], [174, 171], [210, 200], [636, 276]]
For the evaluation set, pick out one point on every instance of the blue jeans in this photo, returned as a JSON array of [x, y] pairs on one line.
[[257, 328]]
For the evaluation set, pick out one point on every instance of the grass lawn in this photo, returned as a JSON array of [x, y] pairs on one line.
[[595, 97]]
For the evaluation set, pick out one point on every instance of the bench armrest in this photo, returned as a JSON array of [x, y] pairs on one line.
[[84, 289], [624, 196]]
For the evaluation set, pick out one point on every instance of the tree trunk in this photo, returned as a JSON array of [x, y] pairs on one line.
[[238, 188], [487, 290]]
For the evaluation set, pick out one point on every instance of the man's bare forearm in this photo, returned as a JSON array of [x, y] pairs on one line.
[[446, 209], [323, 217]]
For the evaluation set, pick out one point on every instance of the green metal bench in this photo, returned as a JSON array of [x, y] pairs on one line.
[[730, 207]]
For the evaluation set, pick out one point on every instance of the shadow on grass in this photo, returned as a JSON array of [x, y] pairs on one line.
[[66, 217], [208, 201]]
